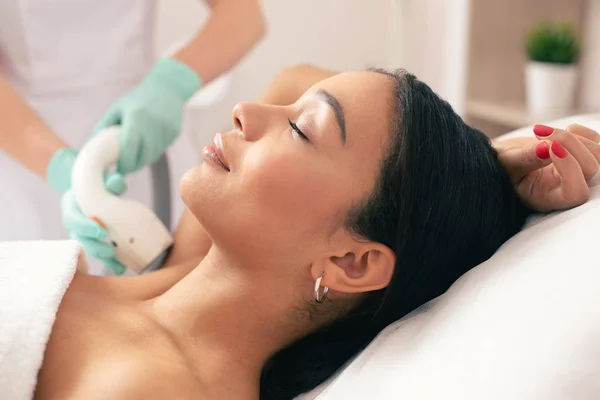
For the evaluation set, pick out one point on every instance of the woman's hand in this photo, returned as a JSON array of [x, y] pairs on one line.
[[551, 171]]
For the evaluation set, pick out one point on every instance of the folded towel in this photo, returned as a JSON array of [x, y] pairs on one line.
[[33, 279]]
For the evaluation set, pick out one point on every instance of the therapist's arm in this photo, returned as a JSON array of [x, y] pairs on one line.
[[234, 27], [23, 134]]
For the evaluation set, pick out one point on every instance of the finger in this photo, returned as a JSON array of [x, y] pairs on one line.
[[592, 147], [573, 189], [574, 145], [547, 132], [112, 117], [94, 248], [115, 183], [524, 160], [116, 267], [130, 147], [585, 132], [151, 150], [74, 220], [543, 131]]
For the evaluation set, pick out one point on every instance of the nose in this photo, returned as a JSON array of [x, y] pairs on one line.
[[253, 119], [238, 116]]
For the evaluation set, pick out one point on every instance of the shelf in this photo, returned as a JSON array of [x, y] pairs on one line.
[[513, 115]]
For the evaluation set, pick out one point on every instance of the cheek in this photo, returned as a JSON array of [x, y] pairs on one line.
[[291, 188]]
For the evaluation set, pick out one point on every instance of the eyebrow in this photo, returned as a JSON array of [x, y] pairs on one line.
[[337, 110]]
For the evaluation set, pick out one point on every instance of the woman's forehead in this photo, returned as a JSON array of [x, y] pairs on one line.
[[366, 99], [357, 85]]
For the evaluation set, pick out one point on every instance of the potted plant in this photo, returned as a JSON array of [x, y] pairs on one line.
[[551, 72]]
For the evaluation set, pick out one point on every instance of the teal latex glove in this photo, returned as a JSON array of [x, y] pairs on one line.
[[58, 171], [88, 232], [151, 114]]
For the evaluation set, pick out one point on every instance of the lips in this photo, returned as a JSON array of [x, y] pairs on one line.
[[218, 143]]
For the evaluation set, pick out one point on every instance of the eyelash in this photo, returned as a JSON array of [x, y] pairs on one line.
[[298, 131]]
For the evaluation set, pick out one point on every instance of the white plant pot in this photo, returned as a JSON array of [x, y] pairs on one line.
[[550, 87]]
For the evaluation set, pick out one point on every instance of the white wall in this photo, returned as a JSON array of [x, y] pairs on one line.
[[336, 34], [590, 62], [435, 46]]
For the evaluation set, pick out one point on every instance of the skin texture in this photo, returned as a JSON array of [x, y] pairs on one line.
[[275, 174], [189, 341], [203, 326]]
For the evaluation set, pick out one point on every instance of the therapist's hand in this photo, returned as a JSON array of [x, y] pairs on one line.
[[151, 114], [58, 171], [551, 171], [88, 232]]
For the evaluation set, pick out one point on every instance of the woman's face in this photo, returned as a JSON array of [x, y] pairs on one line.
[[293, 172]]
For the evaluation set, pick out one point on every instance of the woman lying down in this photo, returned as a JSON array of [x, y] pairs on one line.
[[326, 216]]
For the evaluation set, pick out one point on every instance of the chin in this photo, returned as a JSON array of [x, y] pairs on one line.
[[201, 193], [187, 184], [198, 188], [210, 203]]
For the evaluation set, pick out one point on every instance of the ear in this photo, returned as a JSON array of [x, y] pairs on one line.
[[360, 267]]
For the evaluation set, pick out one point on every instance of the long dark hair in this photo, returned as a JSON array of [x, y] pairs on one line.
[[443, 203]]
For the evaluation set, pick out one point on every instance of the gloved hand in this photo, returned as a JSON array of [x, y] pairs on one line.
[[80, 227], [88, 232], [58, 171], [151, 114]]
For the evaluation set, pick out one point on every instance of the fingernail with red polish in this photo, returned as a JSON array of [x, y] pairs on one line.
[[559, 150], [542, 130], [542, 150]]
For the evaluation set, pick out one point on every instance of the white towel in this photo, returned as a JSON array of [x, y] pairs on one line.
[[33, 279]]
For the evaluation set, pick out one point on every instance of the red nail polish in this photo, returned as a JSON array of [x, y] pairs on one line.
[[542, 150], [542, 130], [559, 150]]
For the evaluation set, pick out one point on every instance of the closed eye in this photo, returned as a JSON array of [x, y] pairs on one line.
[[297, 131]]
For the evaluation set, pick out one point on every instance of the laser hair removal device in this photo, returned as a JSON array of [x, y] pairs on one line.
[[139, 236]]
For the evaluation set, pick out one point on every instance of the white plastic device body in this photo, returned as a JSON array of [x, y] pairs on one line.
[[137, 234]]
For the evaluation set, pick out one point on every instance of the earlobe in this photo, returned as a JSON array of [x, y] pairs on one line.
[[369, 267]]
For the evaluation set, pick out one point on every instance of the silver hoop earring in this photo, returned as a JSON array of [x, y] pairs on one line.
[[320, 297]]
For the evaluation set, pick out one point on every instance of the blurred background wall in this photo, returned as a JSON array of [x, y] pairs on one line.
[[335, 34], [472, 52]]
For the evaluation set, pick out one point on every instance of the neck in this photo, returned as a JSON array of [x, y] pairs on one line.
[[228, 319]]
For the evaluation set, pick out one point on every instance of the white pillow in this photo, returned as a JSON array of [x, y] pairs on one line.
[[524, 325]]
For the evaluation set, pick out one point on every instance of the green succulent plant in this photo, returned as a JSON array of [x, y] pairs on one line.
[[553, 43]]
